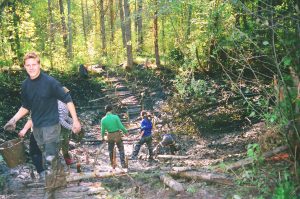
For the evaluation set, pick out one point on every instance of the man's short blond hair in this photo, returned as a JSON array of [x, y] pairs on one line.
[[31, 55]]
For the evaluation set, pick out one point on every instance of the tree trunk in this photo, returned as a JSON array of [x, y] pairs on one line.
[[128, 35], [188, 31], [63, 24], [122, 22], [112, 20], [135, 17], [83, 24], [140, 27], [155, 26], [91, 175], [51, 31], [102, 26], [245, 23], [13, 32], [88, 21], [70, 38], [247, 161], [297, 30], [205, 176], [170, 182], [237, 18], [95, 19]]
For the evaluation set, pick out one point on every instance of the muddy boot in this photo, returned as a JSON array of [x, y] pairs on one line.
[[48, 195], [56, 177]]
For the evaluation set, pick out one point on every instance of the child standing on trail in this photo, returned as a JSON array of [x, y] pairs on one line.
[[146, 136]]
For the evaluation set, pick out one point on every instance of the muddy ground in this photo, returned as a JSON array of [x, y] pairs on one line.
[[205, 152]]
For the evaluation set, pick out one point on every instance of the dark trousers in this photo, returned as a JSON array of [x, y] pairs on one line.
[[112, 139], [36, 154], [65, 133], [143, 140]]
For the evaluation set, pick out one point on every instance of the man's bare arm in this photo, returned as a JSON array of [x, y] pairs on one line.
[[11, 124], [25, 129], [76, 124]]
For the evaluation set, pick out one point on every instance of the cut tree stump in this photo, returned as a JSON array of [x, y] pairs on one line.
[[170, 182], [205, 176], [247, 161]]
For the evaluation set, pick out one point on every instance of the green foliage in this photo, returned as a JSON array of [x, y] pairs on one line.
[[188, 86], [253, 151], [285, 189], [191, 189], [2, 182], [176, 56]]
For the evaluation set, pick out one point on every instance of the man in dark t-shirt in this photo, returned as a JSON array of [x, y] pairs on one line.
[[40, 93]]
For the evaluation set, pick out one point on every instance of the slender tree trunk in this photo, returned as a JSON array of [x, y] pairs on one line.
[[140, 26], [83, 24], [122, 22], [237, 18], [63, 24], [128, 35], [188, 31], [135, 17], [297, 30], [14, 38], [112, 20], [163, 38], [70, 38], [155, 27], [96, 37], [88, 21], [3, 53], [95, 13], [259, 10], [245, 23], [51, 31], [102, 25]]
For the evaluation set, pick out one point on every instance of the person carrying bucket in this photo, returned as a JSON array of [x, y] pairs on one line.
[[39, 95]]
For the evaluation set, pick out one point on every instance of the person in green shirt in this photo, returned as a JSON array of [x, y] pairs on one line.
[[112, 125]]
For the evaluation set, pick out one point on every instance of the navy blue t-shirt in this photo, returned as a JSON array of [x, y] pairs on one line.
[[40, 96]]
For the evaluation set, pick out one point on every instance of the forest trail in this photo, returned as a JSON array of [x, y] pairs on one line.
[[142, 179]]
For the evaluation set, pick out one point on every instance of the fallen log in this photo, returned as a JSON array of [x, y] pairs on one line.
[[180, 169], [204, 175], [81, 194], [89, 175], [250, 160], [97, 99], [172, 157], [170, 182]]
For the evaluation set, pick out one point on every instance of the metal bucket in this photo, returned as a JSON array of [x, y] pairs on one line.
[[13, 152]]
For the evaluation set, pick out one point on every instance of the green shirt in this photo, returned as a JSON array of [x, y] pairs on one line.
[[111, 123]]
